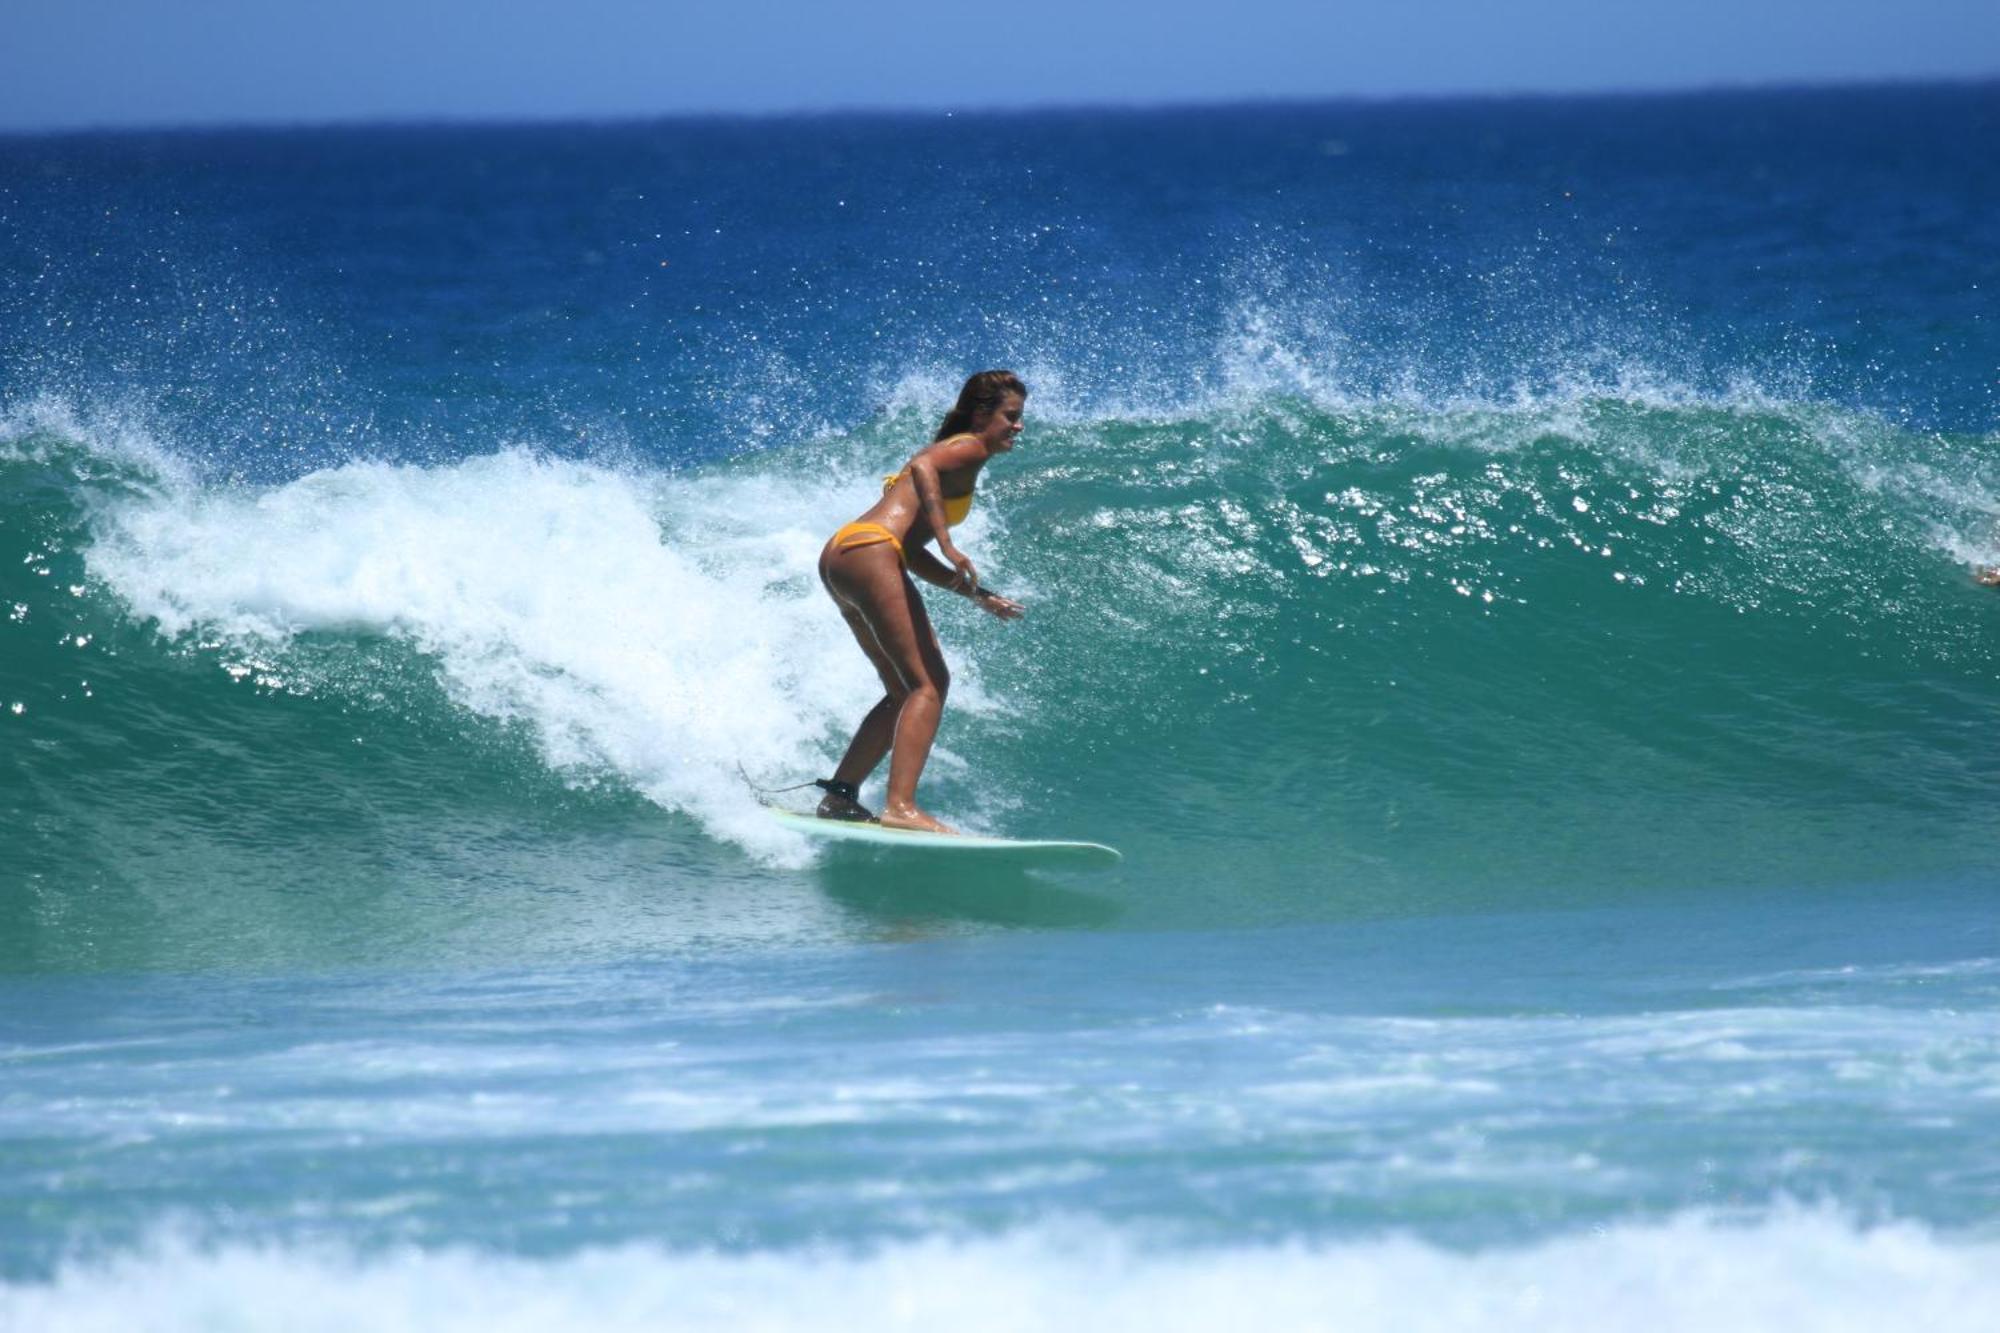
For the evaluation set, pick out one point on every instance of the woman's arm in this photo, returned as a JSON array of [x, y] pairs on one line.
[[933, 570], [930, 496], [929, 568]]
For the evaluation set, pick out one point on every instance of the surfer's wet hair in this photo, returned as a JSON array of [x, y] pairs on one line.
[[979, 399]]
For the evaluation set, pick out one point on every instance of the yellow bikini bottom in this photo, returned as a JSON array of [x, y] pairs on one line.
[[857, 535]]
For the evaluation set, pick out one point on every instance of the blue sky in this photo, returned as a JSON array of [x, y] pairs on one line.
[[71, 63]]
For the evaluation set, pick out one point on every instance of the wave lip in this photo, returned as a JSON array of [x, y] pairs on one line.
[[1796, 1269]]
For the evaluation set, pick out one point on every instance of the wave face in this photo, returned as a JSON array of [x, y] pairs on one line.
[[1340, 655]]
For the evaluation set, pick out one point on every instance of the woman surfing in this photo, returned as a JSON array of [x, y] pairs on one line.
[[866, 568]]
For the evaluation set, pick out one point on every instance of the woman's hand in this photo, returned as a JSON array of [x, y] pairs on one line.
[[1006, 608], [967, 581]]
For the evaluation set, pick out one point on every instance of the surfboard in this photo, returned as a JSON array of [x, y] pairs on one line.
[[1013, 851]]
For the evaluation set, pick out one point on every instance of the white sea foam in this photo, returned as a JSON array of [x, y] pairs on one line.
[[659, 629], [1796, 1270], [117, 434]]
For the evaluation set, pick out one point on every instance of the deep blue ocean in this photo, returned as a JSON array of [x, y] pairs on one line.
[[1501, 570]]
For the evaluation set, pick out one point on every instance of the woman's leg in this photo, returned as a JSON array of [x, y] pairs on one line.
[[872, 738], [888, 619], [917, 652]]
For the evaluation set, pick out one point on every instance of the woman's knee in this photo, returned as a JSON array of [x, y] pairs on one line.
[[932, 678]]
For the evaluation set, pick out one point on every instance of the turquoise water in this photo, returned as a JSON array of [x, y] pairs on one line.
[[1499, 571]]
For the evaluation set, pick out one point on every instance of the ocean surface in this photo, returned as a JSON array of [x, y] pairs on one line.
[[1500, 570]]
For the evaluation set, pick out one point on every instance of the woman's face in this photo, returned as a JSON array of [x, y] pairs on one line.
[[1005, 423]]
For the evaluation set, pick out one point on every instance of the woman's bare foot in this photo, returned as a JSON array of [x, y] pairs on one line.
[[909, 817], [835, 806]]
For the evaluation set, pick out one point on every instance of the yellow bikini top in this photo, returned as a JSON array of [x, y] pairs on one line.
[[956, 507]]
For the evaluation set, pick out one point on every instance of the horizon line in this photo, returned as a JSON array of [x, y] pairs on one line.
[[392, 120]]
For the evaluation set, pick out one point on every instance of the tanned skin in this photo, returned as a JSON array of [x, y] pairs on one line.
[[886, 614]]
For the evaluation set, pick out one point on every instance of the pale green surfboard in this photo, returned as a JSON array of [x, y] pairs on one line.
[[1012, 851]]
